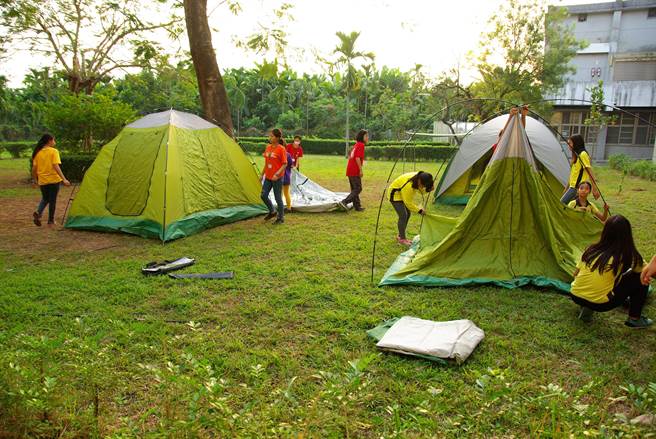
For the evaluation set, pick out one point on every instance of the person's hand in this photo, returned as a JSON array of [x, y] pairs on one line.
[[66, 182], [514, 110], [595, 193], [360, 175], [648, 272], [422, 212], [525, 109]]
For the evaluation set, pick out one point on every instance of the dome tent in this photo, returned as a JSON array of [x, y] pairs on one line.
[[513, 232], [465, 169], [167, 175]]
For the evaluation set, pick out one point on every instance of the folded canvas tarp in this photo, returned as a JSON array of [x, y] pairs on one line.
[[435, 341], [308, 196]]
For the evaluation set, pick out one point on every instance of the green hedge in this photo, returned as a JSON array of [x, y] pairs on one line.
[[336, 146], [639, 168], [412, 153], [16, 149], [75, 165]]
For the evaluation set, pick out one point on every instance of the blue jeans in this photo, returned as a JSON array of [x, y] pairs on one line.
[[277, 194], [569, 195]]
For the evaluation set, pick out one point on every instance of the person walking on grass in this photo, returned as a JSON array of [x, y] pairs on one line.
[[47, 174], [287, 182], [581, 170], [402, 193], [609, 273], [581, 202], [275, 162], [354, 171]]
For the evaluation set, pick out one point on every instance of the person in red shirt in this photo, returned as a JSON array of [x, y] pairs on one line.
[[354, 171], [275, 162], [296, 151]]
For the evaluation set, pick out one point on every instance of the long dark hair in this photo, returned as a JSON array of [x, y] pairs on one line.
[[43, 141], [617, 243], [425, 178], [578, 146], [277, 134], [360, 136]]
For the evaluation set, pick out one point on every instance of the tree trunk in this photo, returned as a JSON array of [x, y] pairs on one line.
[[346, 148], [213, 96]]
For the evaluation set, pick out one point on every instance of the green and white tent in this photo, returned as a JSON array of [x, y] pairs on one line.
[[513, 232], [167, 175], [467, 166]]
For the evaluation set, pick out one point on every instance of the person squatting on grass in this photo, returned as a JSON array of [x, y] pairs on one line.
[[275, 161], [609, 274], [581, 170], [354, 171], [47, 174], [581, 202], [402, 192], [287, 181]]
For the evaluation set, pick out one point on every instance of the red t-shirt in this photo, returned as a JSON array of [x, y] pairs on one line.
[[352, 169], [275, 157], [295, 152]]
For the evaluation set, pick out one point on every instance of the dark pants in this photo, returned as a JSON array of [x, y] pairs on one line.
[[49, 198], [354, 196], [277, 194], [404, 217], [628, 287]]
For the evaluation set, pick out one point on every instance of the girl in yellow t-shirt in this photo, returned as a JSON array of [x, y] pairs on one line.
[[402, 192], [581, 170], [583, 204], [47, 174], [609, 273]]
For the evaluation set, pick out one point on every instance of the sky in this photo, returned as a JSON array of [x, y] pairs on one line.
[[401, 33]]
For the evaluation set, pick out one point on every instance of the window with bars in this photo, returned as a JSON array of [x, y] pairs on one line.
[[570, 122], [632, 130]]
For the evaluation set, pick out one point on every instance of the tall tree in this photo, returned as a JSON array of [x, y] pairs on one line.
[[213, 96], [534, 46], [87, 38], [347, 56]]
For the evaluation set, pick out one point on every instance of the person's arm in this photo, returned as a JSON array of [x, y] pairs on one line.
[[524, 113], [595, 190], [648, 272], [408, 197], [298, 162], [61, 174], [358, 161], [35, 174], [281, 170], [602, 216], [576, 272]]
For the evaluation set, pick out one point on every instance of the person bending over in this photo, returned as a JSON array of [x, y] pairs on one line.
[[402, 193]]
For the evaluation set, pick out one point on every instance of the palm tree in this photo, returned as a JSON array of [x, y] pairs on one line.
[[347, 56]]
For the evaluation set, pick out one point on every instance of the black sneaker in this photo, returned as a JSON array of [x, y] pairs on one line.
[[640, 323], [586, 314], [279, 221], [269, 216], [37, 219], [359, 209]]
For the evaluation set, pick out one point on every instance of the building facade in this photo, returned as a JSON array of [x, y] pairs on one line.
[[621, 52]]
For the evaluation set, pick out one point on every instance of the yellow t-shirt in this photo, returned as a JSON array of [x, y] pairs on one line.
[[44, 163], [592, 285], [591, 208], [582, 162], [400, 191]]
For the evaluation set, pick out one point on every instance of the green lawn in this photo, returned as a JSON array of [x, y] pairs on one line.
[[90, 347]]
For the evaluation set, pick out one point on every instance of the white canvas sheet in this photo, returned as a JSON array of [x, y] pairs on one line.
[[308, 196], [454, 339]]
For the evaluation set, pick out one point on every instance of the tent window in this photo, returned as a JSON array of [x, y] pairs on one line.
[[128, 183]]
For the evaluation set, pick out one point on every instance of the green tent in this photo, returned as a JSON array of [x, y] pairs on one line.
[[514, 231], [167, 175], [465, 169]]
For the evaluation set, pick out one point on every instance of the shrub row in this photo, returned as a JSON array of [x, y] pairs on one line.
[[639, 168], [412, 153], [75, 165], [16, 149]]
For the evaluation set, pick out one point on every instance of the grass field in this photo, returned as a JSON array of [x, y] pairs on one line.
[[89, 347]]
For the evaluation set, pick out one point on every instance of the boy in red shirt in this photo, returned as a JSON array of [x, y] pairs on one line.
[[275, 162], [354, 171], [296, 151]]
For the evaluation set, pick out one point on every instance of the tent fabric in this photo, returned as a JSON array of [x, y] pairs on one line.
[[167, 176], [308, 196], [454, 339], [513, 232], [468, 164]]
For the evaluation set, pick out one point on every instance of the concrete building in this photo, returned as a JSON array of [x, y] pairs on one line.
[[621, 53]]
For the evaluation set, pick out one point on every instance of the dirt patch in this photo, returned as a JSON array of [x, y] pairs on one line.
[[20, 236]]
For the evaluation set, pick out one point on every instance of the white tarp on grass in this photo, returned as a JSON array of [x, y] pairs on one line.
[[308, 196]]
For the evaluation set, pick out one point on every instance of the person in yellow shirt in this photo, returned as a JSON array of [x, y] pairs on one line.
[[402, 192], [609, 273], [581, 202], [47, 174], [581, 170]]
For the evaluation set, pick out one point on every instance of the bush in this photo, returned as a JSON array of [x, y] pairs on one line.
[[412, 153], [16, 149], [639, 168], [74, 166]]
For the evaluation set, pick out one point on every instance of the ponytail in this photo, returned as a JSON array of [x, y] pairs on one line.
[[43, 141]]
